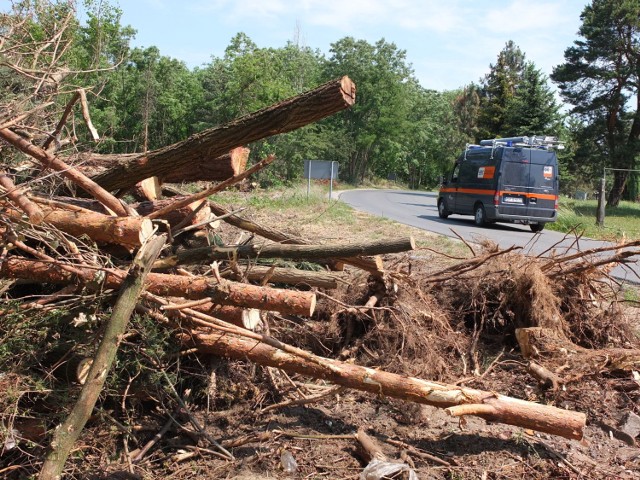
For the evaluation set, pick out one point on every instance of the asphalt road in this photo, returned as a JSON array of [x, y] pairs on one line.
[[418, 209]]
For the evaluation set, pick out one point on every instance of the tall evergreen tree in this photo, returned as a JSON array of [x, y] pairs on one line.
[[601, 79], [497, 90], [533, 109]]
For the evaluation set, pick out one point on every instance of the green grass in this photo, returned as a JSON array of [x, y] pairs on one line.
[[622, 222]]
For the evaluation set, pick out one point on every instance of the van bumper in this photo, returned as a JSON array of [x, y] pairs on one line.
[[493, 213]]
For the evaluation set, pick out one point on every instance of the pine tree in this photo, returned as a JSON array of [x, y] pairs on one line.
[[601, 79]]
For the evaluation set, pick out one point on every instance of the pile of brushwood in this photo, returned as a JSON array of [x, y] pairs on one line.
[[116, 313]]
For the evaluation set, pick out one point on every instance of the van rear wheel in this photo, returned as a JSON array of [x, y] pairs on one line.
[[480, 217], [442, 209], [536, 227]]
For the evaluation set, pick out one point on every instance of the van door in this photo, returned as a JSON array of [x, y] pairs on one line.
[[543, 184], [514, 181]]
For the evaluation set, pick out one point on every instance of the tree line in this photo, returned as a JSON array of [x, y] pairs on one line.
[[141, 100]]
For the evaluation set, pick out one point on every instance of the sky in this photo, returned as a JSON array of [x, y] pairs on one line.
[[449, 43]]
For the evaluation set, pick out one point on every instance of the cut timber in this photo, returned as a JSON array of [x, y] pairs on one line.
[[277, 250], [126, 231], [457, 400], [174, 217], [249, 318], [208, 169], [291, 276], [211, 170], [192, 288], [150, 188], [282, 117], [371, 265]]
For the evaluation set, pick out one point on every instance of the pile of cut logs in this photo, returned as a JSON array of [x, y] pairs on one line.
[[47, 239]]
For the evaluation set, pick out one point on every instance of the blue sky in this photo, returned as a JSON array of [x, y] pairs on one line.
[[449, 43]]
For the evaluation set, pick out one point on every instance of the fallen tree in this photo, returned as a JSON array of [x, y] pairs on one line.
[[457, 401], [282, 117]]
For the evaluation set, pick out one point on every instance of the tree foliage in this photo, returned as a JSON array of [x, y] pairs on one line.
[[601, 79]]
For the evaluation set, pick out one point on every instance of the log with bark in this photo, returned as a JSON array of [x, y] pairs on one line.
[[288, 276], [192, 288], [126, 231], [207, 169], [276, 250], [282, 117], [372, 265], [456, 400]]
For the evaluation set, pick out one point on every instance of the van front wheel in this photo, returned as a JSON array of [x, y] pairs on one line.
[[480, 217], [442, 209]]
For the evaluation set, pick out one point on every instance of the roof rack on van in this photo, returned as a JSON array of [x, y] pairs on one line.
[[539, 141]]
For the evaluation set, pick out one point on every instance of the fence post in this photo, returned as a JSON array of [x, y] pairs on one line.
[[601, 204]]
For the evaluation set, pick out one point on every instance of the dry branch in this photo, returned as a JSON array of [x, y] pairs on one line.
[[68, 171], [67, 433], [126, 231], [457, 400], [372, 265], [282, 117], [17, 196], [276, 250], [291, 276], [225, 293]]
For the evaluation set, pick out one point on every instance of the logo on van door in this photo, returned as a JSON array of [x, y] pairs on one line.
[[548, 172], [486, 172]]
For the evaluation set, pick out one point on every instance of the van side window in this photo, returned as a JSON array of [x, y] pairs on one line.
[[455, 173]]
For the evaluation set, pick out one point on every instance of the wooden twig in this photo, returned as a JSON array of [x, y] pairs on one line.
[[68, 432], [193, 420], [80, 179], [303, 401], [17, 196], [63, 120]]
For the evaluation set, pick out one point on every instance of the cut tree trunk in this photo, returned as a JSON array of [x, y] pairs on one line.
[[144, 209], [372, 265], [218, 169], [249, 318], [282, 117], [207, 169], [126, 231], [192, 288], [197, 211], [277, 250], [289, 276], [457, 400]]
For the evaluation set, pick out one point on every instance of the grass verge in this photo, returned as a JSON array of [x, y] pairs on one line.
[[621, 223]]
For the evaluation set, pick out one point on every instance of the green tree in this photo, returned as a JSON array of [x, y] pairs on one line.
[[533, 109], [368, 135], [498, 89], [601, 79]]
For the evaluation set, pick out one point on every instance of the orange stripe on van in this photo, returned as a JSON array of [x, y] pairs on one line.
[[484, 191]]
